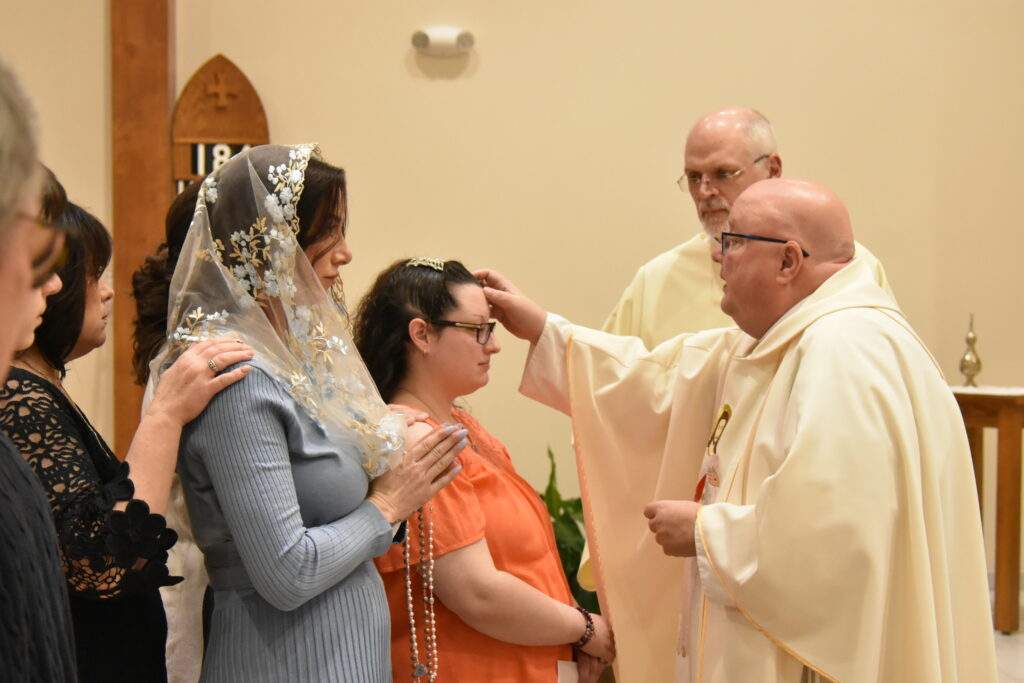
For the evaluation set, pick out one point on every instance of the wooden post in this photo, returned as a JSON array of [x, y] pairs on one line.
[[1002, 410], [1008, 519], [142, 85], [976, 440]]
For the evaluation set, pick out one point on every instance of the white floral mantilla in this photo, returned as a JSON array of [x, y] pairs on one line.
[[209, 190], [245, 275], [289, 180]]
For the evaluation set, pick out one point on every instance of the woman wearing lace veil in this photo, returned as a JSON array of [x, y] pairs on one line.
[[295, 476]]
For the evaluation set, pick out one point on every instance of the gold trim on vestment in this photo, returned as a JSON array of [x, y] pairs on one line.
[[588, 516], [723, 495], [703, 624], [778, 642]]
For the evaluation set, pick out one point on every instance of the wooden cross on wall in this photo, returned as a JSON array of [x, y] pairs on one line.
[[218, 115], [219, 89]]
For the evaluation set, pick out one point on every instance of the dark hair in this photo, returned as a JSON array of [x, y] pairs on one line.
[[88, 255], [54, 198], [400, 294], [323, 198], [151, 283]]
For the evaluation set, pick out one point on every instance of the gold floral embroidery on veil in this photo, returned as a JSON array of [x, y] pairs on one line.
[[250, 251], [301, 389], [199, 326]]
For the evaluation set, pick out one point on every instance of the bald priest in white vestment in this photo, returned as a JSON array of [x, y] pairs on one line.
[[810, 464]]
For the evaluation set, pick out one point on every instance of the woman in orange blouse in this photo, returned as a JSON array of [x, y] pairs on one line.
[[505, 612]]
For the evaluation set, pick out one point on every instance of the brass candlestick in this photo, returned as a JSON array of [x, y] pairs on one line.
[[970, 364]]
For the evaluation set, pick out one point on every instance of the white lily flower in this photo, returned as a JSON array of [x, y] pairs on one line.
[[273, 209]]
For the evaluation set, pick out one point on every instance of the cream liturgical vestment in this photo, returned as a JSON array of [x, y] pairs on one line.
[[679, 291], [840, 536]]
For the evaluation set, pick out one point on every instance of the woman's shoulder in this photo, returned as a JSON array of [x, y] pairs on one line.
[[22, 384], [473, 466], [260, 384], [259, 403], [466, 418], [420, 430], [28, 402], [417, 431], [257, 394], [477, 432]]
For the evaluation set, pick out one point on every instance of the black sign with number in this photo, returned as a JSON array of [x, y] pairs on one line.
[[207, 158]]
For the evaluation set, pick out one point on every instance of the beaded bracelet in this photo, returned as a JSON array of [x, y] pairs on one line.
[[588, 633]]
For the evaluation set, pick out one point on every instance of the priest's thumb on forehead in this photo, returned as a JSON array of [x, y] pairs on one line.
[[502, 305], [497, 298], [492, 278], [520, 316], [511, 308]]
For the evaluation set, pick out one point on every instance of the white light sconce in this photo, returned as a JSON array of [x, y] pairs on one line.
[[443, 41]]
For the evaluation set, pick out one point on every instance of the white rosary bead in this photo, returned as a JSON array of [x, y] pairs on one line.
[[428, 667]]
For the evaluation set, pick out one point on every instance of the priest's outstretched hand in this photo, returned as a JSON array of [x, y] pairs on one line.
[[520, 315], [673, 523]]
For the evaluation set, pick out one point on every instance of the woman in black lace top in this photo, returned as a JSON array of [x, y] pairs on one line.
[[112, 535]]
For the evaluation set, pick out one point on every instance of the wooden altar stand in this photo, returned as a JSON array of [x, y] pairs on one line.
[[1001, 408]]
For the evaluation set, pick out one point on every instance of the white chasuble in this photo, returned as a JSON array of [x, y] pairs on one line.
[[840, 536]]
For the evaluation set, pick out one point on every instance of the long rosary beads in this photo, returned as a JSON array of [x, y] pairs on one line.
[[428, 667]]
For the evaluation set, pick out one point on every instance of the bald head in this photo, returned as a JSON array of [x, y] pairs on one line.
[[810, 239], [726, 152], [746, 126], [801, 210]]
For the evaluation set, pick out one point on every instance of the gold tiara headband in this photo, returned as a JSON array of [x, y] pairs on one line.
[[427, 262]]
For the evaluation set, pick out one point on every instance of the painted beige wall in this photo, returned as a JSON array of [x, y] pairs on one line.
[[60, 50], [551, 153]]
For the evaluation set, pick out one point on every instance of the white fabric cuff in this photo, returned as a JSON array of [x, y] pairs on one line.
[[709, 582], [545, 376]]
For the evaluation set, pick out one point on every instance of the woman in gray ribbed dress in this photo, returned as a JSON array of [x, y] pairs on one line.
[[294, 477]]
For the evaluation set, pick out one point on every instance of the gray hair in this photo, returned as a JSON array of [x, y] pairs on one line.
[[18, 146], [760, 135]]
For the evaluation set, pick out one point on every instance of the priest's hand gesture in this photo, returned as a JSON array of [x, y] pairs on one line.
[[673, 524], [520, 316]]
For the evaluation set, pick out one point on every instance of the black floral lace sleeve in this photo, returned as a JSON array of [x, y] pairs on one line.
[[106, 552]]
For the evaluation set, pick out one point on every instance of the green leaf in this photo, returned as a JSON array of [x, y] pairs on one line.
[[552, 498], [567, 533], [574, 507], [586, 599]]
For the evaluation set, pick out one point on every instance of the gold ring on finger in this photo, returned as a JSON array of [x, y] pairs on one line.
[[213, 366]]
